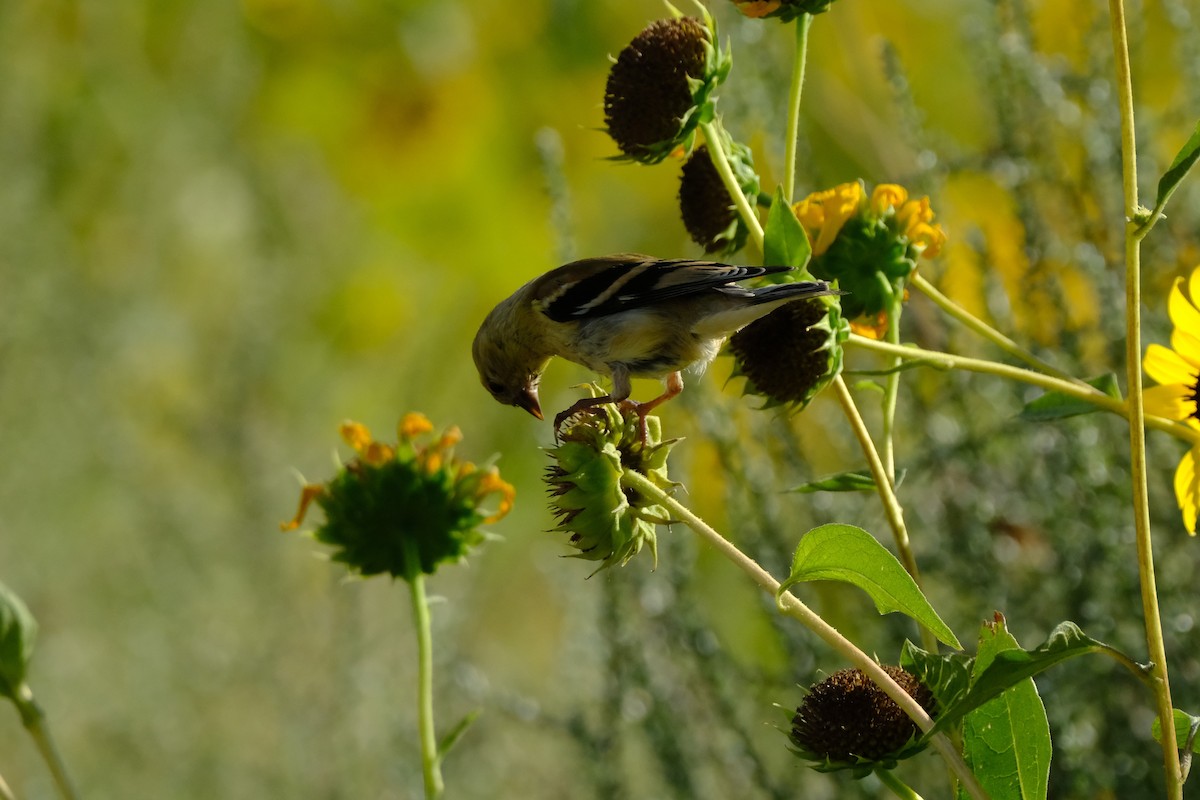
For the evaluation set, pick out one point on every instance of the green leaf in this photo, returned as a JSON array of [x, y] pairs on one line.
[[1015, 665], [851, 481], [1006, 741], [1186, 726], [1183, 162], [18, 630], [1056, 405], [451, 738], [838, 552], [784, 239], [947, 676]]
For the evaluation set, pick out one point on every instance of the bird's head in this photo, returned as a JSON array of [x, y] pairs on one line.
[[509, 370]]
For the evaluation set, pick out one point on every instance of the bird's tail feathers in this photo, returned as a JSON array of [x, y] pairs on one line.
[[790, 291]]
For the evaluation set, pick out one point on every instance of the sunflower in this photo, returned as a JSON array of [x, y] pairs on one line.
[[1177, 371]]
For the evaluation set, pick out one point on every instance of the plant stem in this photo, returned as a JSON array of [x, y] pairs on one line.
[[891, 390], [34, 720], [986, 331], [898, 787], [789, 604], [5, 792], [1137, 430], [430, 760], [803, 23], [1088, 394], [713, 137]]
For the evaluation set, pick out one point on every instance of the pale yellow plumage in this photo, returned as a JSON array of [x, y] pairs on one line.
[[623, 316]]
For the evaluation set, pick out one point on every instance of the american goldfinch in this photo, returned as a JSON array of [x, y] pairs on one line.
[[623, 316]]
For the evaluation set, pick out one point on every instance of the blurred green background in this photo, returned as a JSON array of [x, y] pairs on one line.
[[226, 227]]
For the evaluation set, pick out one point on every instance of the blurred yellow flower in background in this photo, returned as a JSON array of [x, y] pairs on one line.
[[1177, 371]]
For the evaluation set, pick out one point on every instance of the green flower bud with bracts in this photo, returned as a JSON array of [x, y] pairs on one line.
[[708, 212], [869, 246], [407, 508], [847, 722], [790, 355], [607, 521], [660, 88], [784, 10], [18, 631]]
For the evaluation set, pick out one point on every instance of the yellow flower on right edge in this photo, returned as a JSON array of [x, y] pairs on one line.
[[1177, 371]]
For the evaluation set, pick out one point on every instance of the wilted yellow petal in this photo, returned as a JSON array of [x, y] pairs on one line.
[[1194, 285], [756, 9], [887, 197], [414, 424], [491, 482], [930, 238], [309, 493], [356, 435], [1187, 490], [377, 453], [1167, 367]]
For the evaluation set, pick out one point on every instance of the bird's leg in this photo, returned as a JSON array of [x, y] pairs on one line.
[[674, 387], [619, 394]]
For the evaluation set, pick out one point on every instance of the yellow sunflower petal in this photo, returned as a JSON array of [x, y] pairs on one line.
[[1171, 401], [1182, 312], [1187, 345], [1194, 284], [1187, 490], [1166, 366]]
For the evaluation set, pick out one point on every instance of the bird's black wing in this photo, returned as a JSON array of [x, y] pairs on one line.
[[596, 287]]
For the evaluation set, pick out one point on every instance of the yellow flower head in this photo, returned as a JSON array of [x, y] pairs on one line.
[[1177, 371], [404, 508], [869, 246]]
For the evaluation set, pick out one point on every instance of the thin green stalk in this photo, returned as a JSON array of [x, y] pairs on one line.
[[1088, 394], [1137, 430], [720, 159], [34, 720], [803, 24], [891, 505], [986, 331], [791, 605], [431, 767], [891, 390], [898, 787]]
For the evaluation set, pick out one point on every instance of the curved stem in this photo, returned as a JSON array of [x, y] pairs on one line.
[[1137, 430], [986, 331], [716, 150], [1084, 392], [34, 720], [803, 24], [791, 605], [898, 787], [430, 760]]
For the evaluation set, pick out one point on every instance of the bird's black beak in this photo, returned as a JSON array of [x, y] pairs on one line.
[[528, 400]]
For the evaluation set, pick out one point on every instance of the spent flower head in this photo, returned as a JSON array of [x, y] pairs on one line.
[[1177, 371], [847, 722], [404, 508], [660, 88], [870, 246], [606, 520], [790, 355], [708, 212]]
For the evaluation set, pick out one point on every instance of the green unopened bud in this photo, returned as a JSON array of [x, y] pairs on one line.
[[18, 631]]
